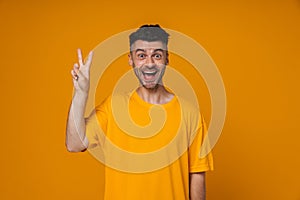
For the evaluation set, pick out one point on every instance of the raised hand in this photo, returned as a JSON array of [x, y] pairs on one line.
[[81, 73]]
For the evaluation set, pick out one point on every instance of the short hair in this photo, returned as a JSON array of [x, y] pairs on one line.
[[149, 33]]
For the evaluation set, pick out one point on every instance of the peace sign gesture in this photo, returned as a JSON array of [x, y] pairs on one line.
[[81, 73]]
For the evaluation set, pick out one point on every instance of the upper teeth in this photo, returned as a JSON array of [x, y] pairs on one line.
[[149, 72]]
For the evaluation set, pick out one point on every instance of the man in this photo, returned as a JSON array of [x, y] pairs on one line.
[[182, 178]]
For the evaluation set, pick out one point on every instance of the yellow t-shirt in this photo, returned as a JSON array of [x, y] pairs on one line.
[[143, 160]]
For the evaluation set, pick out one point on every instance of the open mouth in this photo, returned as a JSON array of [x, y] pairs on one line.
[[149, 75]]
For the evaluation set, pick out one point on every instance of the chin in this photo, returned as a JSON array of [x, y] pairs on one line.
[[151, 86]]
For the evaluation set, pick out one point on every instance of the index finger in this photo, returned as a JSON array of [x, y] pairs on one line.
[[79, 54]]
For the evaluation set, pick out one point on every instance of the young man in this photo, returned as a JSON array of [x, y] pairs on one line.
[[183, 177]]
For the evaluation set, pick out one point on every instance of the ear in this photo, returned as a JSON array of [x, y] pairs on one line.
[[130, 61], [167, 58]]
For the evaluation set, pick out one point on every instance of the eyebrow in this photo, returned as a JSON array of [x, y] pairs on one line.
[[143, 50], [158, 50]]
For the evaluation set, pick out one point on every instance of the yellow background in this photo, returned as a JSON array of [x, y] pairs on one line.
[[255, 45]]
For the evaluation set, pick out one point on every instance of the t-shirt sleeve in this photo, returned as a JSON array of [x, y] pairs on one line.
[[197, 164]]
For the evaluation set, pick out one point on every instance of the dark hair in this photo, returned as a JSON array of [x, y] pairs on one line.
[[149, 33]]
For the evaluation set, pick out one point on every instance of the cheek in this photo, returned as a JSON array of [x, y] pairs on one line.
[[162, 62], [137, 63], [161, 66]]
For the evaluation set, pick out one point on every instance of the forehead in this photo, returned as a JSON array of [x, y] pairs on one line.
[[141, 44]]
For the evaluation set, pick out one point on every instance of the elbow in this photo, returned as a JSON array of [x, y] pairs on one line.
[[75, 148], [75, 144]]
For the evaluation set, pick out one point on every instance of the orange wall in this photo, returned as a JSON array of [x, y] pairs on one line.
[[255, 45]]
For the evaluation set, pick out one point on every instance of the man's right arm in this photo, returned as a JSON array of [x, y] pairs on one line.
[[76, 140]]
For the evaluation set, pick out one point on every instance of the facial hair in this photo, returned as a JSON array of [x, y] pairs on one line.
[[140, 74]]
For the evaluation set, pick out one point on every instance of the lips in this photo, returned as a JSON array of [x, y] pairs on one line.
[[149, 75]]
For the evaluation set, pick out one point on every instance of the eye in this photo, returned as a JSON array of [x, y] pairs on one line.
[[141, 56], [157, 56]]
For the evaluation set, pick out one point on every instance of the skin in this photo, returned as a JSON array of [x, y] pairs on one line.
[[149, 60], [76, 140], [197, 186]]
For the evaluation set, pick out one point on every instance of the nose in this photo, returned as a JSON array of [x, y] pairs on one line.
[[149, 61]]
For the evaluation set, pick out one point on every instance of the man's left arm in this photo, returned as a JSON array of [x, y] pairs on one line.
[[197, 186]]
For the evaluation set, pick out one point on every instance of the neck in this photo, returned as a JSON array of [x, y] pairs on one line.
[[157, 95]]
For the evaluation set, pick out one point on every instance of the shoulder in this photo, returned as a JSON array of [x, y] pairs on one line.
[[190, 111], [187, 105], [113, 100]]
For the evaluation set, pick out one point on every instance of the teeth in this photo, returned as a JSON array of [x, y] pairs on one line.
[[149, 73]]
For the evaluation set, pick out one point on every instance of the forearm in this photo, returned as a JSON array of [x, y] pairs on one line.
[[76, 140], [197, 186]]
